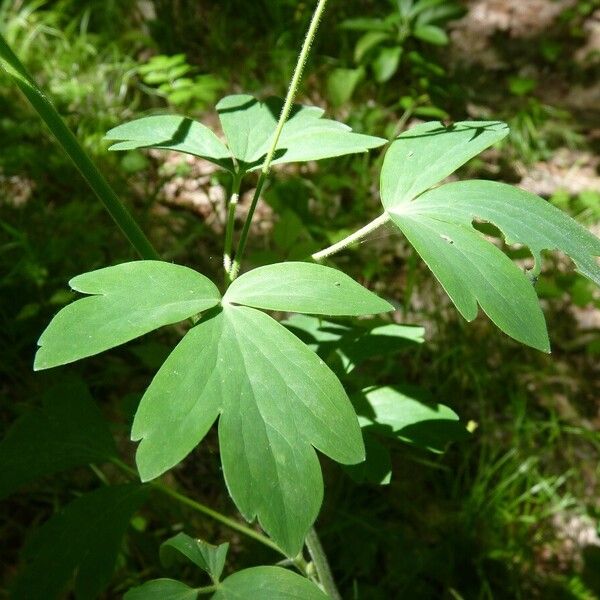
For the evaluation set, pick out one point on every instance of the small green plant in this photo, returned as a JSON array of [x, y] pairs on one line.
[[275, 398], [382, 45], [171, 78]]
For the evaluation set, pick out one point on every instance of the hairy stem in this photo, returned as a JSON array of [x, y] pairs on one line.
[[15, 69], [321, 563], [231, 207], [353, 237], [285, 113]]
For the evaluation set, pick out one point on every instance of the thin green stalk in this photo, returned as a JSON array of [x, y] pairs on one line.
[[15, 69], [209, 589], [231, 207], [353, 237], [319, 558], [201, 508], [285, 113]]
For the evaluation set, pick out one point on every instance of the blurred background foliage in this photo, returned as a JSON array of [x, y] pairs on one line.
[[512, 512]]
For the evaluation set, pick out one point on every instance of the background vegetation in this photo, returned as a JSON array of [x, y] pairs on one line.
[[511, 512]]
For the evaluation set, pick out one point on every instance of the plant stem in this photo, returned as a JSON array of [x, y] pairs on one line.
[[319, 558], [15, 69], [353, 237], [285, 113], [209, 589], [233, 200], [201, 508]]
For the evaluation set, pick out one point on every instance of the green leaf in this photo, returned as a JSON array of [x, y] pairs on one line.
[[304, 287], [277, 400], [523, 217], [422, 5], [471, 270], [208, 557], [273, 583], [341, 84], [128, 301], [431, 34], [250, 125], [287, 230], [162, 589], [84, 538], [408, 415], [427, 153], [171, 132], [365, 24], [367, 42], [354, 344], [377, 467], [386, 63], [68, 430]]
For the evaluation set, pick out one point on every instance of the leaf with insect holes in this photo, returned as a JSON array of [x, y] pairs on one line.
[[439, 224], [277, 400], [171, 132], [68, 430], [304, 287], [249, 126], [83, 539], [206, 556], [127, 301]]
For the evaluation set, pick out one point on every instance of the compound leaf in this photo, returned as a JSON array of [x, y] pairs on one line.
[[84, 538], [66, 431], [206, 556], [277, 400], [162, 589], [128, 301], [408, 415], [427, 153], [304, 287], [171, 132], [273, 583], [250, 125]]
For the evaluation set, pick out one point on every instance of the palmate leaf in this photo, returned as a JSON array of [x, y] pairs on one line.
[[277, 400], [66, 431], [249, 126], [84, 538], [438, 223], [128, 301]]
